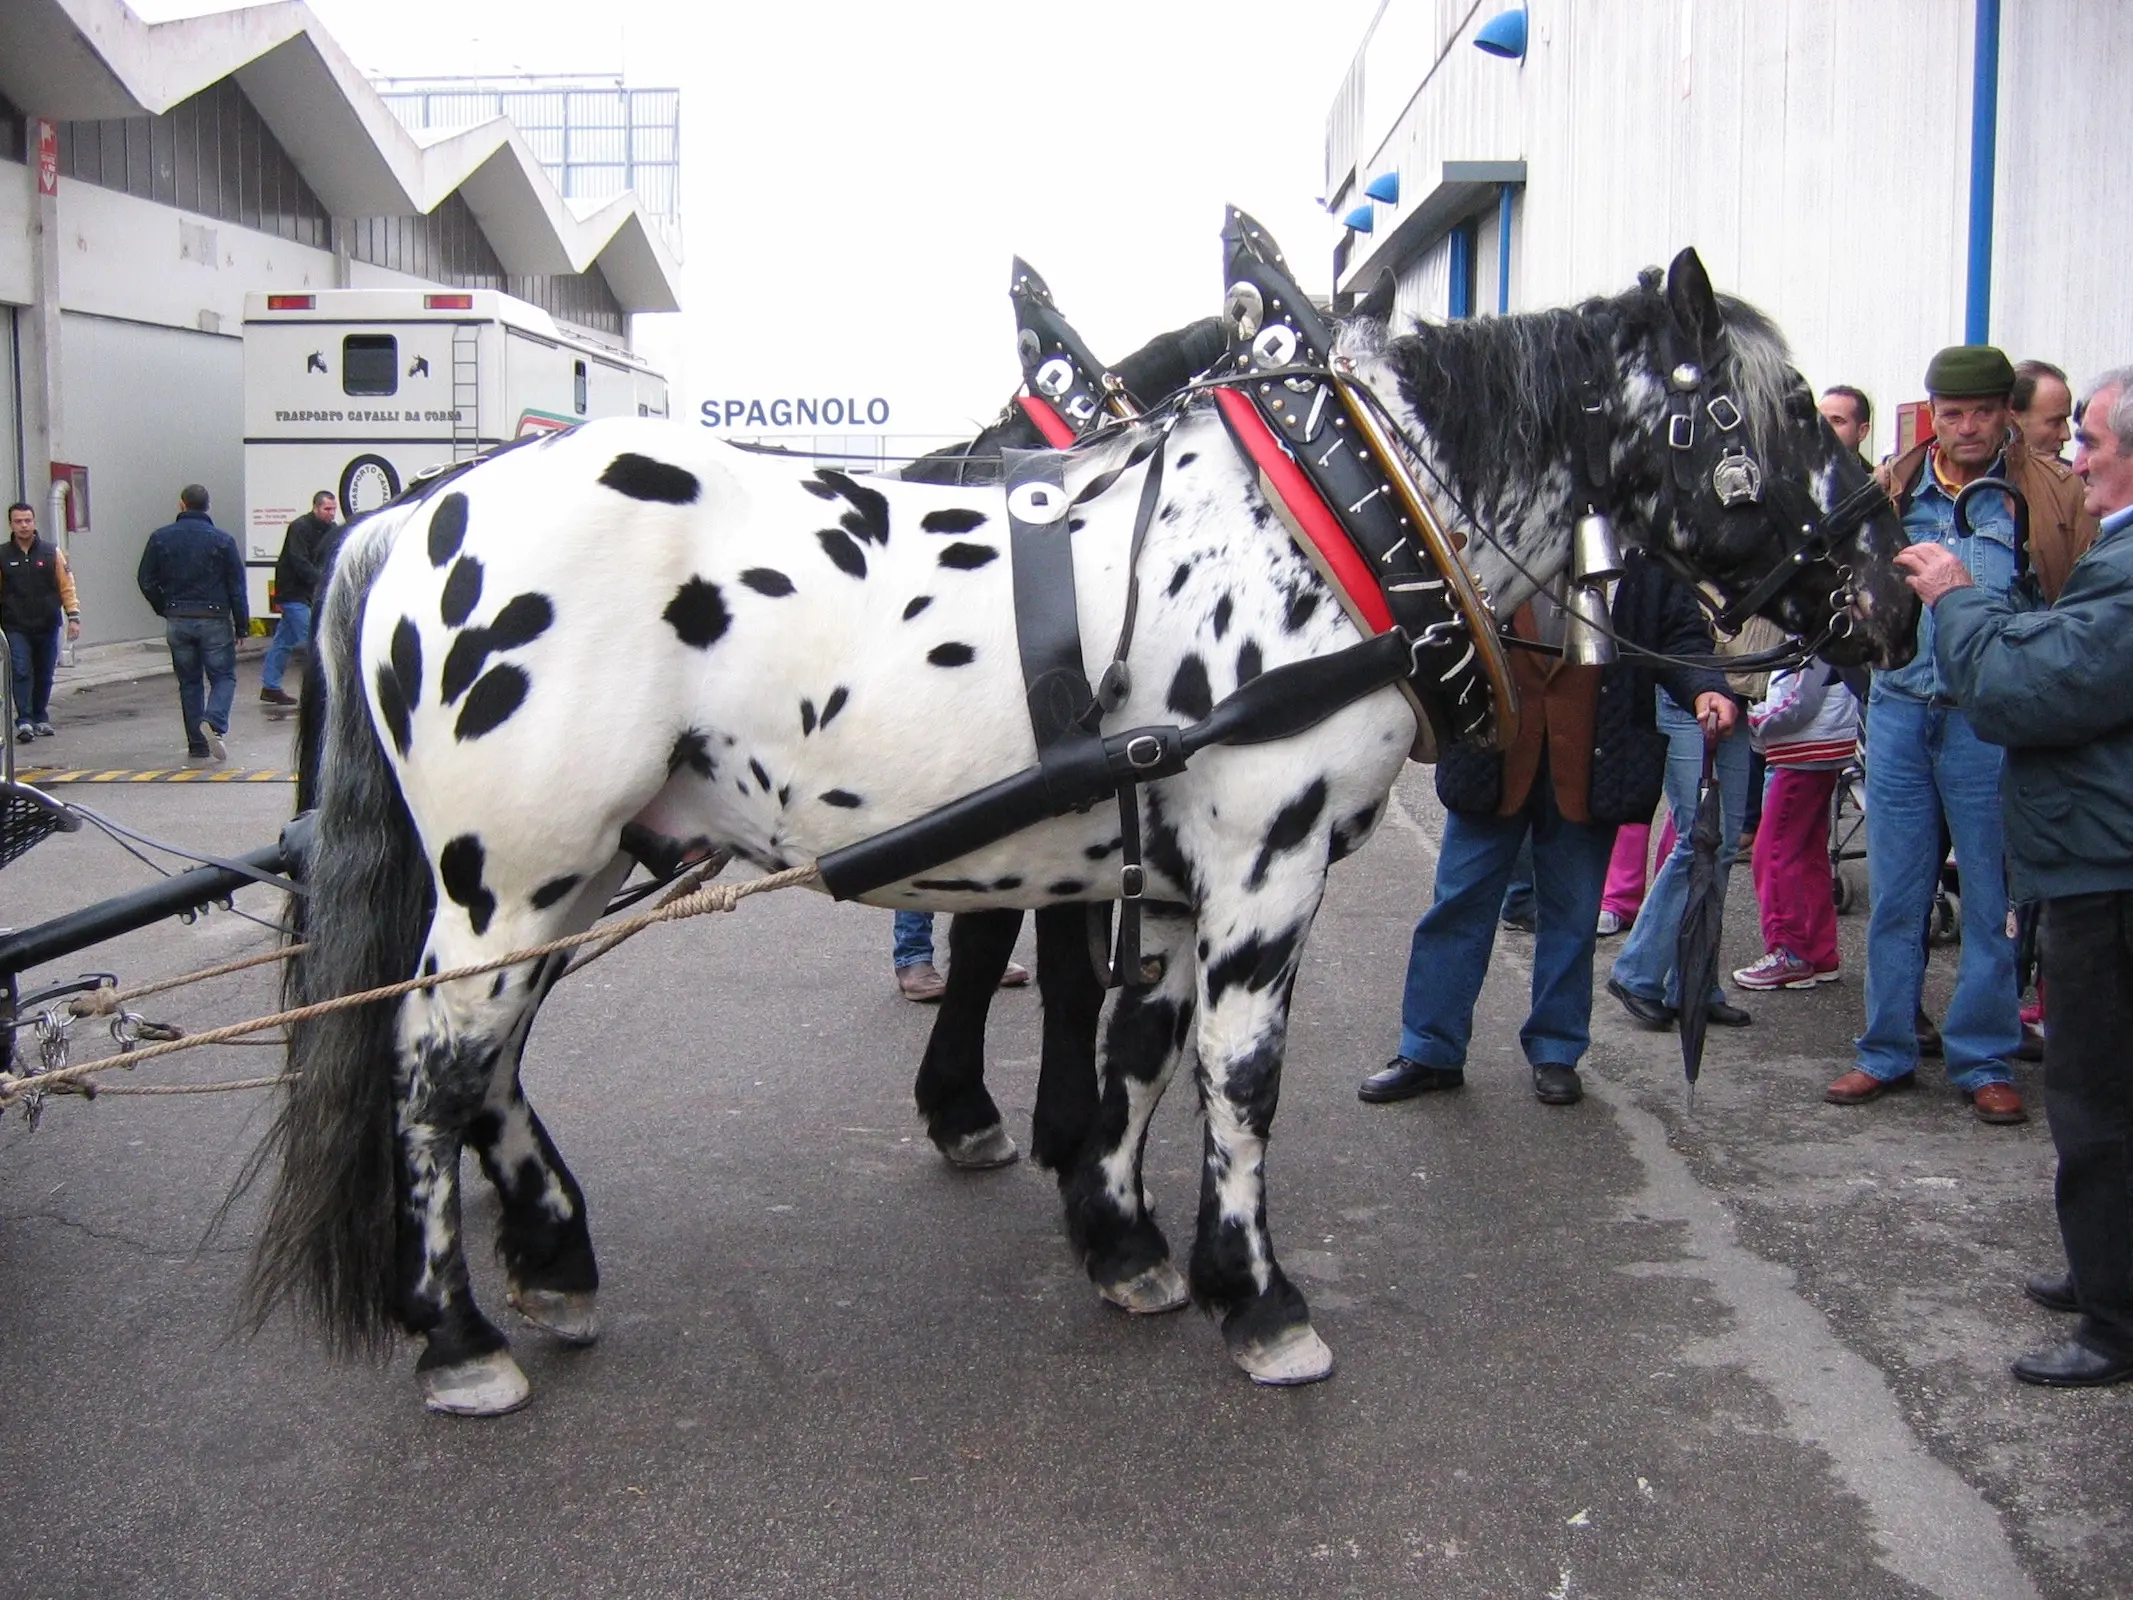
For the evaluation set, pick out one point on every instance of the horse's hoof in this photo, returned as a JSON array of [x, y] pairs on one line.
[[1294, 1355], [981, 1151], [1157, 1289], [487, 1386], [572, 1316]]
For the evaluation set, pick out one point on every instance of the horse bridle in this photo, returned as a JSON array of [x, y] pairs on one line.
[[1695, 390]]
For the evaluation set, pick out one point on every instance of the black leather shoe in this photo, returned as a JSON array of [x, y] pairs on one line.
[[1645, 1013], [2073, 1365], [1929, 1046], [1402, 1079], [1724, 1015], [1555, 1085], [2054, 1291]]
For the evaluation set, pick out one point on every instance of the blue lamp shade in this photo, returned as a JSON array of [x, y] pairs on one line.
[[1385, 186], [1360, 219], [1504, 34]]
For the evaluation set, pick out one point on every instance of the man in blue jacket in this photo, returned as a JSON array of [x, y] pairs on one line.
[[192, 574], [2049, 684]]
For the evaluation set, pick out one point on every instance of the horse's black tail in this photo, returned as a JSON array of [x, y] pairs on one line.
[[326, 1245]]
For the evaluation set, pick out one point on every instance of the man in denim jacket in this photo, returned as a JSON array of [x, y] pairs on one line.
[[1924, 765], [2049, 683]]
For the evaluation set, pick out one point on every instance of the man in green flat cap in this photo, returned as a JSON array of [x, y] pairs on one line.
[[1926, 767]]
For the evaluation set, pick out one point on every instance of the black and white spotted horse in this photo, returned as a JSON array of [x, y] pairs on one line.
[[791, 660]]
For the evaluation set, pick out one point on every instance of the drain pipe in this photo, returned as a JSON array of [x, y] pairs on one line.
[[1503, 250], [1984, 139], [55, 520]]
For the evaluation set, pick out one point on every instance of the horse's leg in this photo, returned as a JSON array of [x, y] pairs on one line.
[[1073, 1003], [544, 1237], [961, 1119], [1245, 978], [456, 1042], [1107, 1215]]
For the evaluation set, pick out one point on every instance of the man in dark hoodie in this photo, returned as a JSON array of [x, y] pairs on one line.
[[192, 574]]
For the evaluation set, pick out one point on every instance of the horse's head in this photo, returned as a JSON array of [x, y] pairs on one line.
[[1756, 497], [1677, 413]]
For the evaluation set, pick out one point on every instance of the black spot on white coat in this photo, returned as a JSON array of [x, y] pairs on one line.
[[768, 581], [1291, 826], [1178, 579], [918, 604], [963, 557], [691, 750], [845, 555], [407, 661], [392, 706], [459, 871], [697, 614], [448, 528], [1302, 603], [462, 592], [642, 478], [842, 797], [1189, 694], [1223, 609], [952, 519], [1065, 886], [951, 654], [868, 518], [552, 891], [762, 777], [834, 704], [523, 619], [1249, 665], [496, 694], [807, 718]]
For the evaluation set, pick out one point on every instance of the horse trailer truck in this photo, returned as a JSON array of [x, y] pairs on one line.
[[359, 390]]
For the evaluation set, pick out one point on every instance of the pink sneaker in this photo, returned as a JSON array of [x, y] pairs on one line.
[[1781, 969]]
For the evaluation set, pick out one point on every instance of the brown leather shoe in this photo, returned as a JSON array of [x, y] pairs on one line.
[[1998, 1103], [1855, 1088], [921, 982], [1015, 976]]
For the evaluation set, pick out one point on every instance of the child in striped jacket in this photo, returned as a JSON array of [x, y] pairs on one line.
[[1807, 728]]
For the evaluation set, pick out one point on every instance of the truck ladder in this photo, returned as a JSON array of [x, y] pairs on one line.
[[466, 391]]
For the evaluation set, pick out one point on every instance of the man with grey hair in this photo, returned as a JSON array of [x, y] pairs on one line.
[[2047, 681]]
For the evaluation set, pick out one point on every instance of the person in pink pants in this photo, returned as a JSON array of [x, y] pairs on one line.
[[1629, 873], [1808, 729]]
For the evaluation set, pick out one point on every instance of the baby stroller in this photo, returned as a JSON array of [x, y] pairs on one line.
[[1847, 857]]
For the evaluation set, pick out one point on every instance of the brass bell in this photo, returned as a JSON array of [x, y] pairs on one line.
[[1594, 555]]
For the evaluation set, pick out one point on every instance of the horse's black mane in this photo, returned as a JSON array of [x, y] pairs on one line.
[[1163, 365], [1501, 397]]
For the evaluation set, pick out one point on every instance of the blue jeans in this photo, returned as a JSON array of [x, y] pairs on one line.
[[290, 635], [34, 657], [914, 938], [203, 648], [1518, 897], [1646, 965], [1452, 943], [1924, 764]]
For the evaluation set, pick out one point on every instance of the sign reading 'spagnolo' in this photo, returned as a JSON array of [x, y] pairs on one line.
[[753, 414]]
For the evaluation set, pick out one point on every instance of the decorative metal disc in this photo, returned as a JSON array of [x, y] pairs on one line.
[[1244, 309], [1737, 480]]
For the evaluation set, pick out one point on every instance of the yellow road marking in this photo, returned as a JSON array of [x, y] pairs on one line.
[[43, 777]]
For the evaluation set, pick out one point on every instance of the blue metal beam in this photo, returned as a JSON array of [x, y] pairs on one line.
[[1984, 140]]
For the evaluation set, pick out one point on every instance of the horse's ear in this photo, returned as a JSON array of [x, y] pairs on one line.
[[1692, 300], [1377, 305]]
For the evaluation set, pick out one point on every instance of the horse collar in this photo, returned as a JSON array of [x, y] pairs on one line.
[[1066, 392], [1338, 478]]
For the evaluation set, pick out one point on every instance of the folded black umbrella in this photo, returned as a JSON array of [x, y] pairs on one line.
[[1702, 922]]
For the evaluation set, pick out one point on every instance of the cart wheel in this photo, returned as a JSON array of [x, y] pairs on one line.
[[1845, 892]]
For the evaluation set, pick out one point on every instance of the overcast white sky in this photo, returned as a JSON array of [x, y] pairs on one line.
[[857, 176]]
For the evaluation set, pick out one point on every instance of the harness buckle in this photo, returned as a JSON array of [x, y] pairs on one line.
[[1132, 881], [1724, 412], [1680, 430], [1144, 752]]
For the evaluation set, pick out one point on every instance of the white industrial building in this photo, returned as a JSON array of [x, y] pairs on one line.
[[152, 174], [1833, 161]]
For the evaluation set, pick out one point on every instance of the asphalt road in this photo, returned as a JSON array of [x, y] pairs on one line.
[[1612, 1350]]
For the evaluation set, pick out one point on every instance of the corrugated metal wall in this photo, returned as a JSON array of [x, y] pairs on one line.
[[211, 154], [1816, 153]]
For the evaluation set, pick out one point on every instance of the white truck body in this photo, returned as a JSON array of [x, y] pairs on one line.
[[358, 390]]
